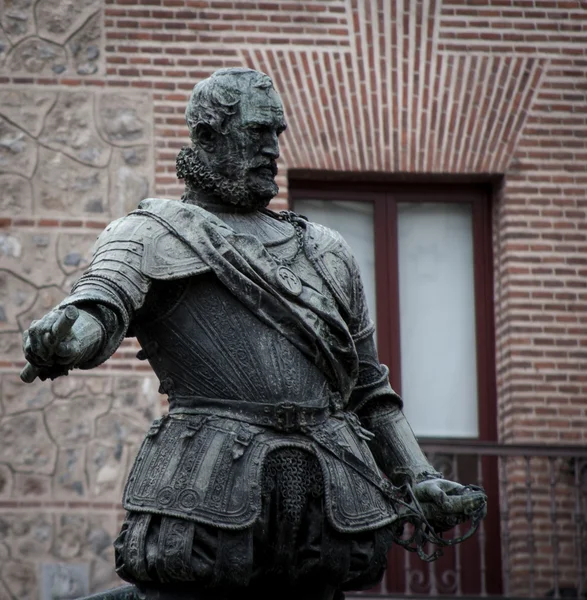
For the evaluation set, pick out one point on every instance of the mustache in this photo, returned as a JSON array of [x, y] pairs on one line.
[[266, 164]]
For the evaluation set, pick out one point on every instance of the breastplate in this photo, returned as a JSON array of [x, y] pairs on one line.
[[209, 345]]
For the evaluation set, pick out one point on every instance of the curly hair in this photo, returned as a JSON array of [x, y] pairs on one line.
[[216, 99]]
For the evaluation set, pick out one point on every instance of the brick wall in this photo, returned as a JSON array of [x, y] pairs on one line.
[[447, 87]]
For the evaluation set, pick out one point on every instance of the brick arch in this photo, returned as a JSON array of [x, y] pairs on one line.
[[391, 101]]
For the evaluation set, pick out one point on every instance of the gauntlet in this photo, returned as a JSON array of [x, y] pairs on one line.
[[435, 504]]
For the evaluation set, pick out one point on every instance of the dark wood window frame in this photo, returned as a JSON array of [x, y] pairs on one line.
[[385, 198]]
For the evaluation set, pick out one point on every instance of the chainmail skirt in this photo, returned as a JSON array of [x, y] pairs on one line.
[[292, 542]]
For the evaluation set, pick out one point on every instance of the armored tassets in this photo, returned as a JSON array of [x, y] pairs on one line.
[[285, 464]]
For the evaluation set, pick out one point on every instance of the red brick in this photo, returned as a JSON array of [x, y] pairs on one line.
[[95, 224], [539, 144]]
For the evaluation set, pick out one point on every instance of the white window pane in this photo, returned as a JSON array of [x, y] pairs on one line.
[[437, 319], [354, 221]]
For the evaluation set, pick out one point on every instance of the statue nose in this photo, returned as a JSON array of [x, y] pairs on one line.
[[271, 152], [270, 147]]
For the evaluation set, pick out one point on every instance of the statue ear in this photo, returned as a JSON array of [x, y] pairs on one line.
[[206, 137]]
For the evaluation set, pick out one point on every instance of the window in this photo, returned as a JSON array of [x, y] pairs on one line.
[[425, 258], [426, 261]]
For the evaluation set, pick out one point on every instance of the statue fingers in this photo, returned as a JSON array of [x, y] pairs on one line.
[[450, 487], [27, 347], [429, 491], [36, 349], [439, 518], [39, 335], [67, 351], [466, 503], [53, 371], [473, 501], [46, 322], [39, 341]]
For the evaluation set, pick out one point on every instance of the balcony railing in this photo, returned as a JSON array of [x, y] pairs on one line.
[[533, 542]]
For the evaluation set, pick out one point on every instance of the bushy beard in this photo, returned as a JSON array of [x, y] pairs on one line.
[[237, 192]]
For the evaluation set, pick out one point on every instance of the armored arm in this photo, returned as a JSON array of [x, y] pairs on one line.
[[379, 408], [107, 295], [397, 452], [114, 286], [394, 446]]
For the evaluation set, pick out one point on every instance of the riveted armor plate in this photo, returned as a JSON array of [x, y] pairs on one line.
[[210, 470], [188, 469]]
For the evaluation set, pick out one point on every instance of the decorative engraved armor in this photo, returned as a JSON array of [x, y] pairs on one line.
[[256, 325], [209, 470], [292, 368]]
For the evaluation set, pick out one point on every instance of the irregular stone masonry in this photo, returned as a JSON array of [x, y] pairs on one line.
[[92, 95]]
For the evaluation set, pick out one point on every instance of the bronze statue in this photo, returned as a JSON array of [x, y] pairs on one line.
[[285, 465]]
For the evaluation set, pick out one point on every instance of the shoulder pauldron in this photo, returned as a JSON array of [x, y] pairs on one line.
[[331, 256], [167, 257], [164, 256]]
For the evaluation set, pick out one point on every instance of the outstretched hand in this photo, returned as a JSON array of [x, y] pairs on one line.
[[447, 503], [51, 345], [41, 347]]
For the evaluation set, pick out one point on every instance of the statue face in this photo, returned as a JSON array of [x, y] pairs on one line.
[[248, 152]]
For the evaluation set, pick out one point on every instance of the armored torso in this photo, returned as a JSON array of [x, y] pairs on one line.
[[205, 343], [252, 362]]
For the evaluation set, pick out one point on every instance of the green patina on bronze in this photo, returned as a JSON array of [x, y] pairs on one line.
[[285, 459]]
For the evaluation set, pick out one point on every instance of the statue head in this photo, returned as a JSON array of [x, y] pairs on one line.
[[234, 117]]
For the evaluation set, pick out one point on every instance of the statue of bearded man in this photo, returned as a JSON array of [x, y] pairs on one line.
[[285, 464]]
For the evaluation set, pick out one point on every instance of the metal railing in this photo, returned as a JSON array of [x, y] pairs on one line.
[[533, 542]]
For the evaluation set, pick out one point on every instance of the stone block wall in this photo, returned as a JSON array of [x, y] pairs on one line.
[[72, 158], [65, 448], [51, 37], [92, 94]]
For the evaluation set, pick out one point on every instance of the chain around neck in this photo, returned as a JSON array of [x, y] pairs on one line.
[[288, 217]]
